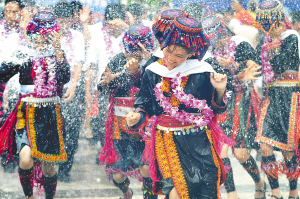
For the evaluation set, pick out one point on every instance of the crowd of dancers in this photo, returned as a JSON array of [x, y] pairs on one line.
[[168, 98]]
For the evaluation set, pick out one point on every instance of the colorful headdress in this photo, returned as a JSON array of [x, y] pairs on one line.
[[137, 34], [43, 23], [215, 27], [188, 32], [269, 12], [162, 25]]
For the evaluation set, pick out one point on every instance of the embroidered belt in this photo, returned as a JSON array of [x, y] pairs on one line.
[[167, 123], [185, 130], [41, 101], [123, 105], [285, 80]]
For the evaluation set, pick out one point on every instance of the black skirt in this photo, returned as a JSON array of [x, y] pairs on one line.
[[45, 131]]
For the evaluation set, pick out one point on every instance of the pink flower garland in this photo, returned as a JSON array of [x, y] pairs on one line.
[[41, 66], [231, 49], [189, 100], [267, 69]]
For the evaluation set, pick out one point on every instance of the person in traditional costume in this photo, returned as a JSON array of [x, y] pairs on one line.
[[72, 43], [36, 124], [124, 147], [180, 99], [160, 30], [278, 53], [11, 38], [237, 55], [106, 42]]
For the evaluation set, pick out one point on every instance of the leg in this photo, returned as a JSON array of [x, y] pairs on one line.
[[249, 164], [229, 182], [50, 179], [147, 183], [270, 168], [174, 194], [26, 171], [122, 182], [71, 112], [292, 170]]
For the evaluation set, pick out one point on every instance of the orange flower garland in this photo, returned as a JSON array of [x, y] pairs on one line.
[[166, 87]]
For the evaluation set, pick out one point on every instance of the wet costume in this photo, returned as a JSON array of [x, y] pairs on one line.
[[279, 109], [181, 154], [123, 149], [103, 46], [72, 43], [239, 121], [37, 116]]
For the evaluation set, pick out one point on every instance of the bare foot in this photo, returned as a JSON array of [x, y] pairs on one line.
[[260, 186], [127, 195], [276, 192], [232, 195], [294, 193]]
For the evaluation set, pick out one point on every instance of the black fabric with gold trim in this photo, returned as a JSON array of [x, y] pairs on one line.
[[45, 131]]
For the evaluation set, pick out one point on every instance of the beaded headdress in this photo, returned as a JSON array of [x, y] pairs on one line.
[[161, 26], [137, 34], [43, 23], [215, 27], [269, 12], [188, 32]]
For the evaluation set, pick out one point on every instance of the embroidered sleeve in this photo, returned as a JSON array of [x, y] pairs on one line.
[[219, 106], [233, 67], [112, 86], [136, 77]]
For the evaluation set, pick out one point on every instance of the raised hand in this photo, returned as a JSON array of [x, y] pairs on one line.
[[132, 65], [84, 13], [108, 77], [224, 62], [133, 118], [250, 72], [219, 81], [145, 54], [55, 40]]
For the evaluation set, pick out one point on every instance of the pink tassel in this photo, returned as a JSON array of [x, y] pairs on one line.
[[108, 155]]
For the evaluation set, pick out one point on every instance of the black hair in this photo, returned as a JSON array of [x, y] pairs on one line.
[[194, 10], [229, 11], [295, 17], [187, 50], [77, 6], [25, 3], [63, 10], [136, 9], [114, 11], [237, 1], [13, 1], [163, 4]]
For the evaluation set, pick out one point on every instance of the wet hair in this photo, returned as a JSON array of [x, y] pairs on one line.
[[164, 4], [13, 1], [114, 11], [63, 10], [237, 1], [229, 11], [183, 47], [25, 3], [136, 9], [295, 17], [77, 6], [194, 10]]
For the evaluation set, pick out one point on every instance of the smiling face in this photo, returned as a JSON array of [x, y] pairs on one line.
[[40, 44], [175, 55]]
